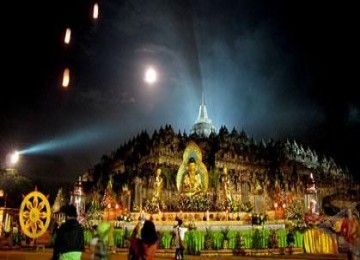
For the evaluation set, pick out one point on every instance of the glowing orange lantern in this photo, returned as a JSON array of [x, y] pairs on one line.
[[66, 78]]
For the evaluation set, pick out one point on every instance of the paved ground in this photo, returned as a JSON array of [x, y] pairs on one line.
[[31, 254]]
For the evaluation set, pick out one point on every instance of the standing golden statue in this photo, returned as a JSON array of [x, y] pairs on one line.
[[225, 182], [158, 184], [192, 176]]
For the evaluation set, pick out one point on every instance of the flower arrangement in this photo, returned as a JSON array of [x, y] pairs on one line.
[[294, 211], [313, 219], [194, 203], [299, 225], [246, 206], [151, 206], [125, 218]]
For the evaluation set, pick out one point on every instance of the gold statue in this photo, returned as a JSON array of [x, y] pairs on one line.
[[192, 177], [158, 184], [225, 181]]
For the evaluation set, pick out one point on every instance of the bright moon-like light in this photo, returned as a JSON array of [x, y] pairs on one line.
[[150, 76], [14, 158]]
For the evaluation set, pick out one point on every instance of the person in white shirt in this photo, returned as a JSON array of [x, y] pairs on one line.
[[179, 231]]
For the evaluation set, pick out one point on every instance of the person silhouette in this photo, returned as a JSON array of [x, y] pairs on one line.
[[69, 240], [98, 243], [179, 236]]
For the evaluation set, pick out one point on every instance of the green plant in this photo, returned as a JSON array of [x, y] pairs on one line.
[[240, 241], [225, 233], [208, 240]]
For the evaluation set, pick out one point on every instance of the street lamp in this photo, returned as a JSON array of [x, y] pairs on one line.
[[11, 161], [14, 158]]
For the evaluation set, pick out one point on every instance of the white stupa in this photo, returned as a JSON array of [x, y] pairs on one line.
[[203, 125]]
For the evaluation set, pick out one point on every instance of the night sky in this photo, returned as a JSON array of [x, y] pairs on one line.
[[277, 69]]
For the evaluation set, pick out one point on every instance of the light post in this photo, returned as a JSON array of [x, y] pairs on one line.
[[14, 158], [275, 207], [10, 162]]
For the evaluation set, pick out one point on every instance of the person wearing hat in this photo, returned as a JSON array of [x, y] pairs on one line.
[[69, 241], [98, 243]]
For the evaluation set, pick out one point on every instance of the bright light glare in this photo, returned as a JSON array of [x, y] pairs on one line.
[[66, 78], [96, 11], [67, 37], [150, 76], [14, 158]]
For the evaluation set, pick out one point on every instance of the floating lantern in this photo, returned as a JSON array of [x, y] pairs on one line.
[[67, 37], [66, 78], [96, 11]]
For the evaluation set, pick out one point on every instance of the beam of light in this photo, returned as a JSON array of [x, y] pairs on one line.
[[96, 11], [66, 78], [150, 75], [78, 139], [67, 37]]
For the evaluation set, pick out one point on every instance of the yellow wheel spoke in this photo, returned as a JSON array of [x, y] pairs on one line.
[[28, 205], [40, 224], [43, 215], [33, 227], [26, 214], [28, 223], [35, 202], [41, 205]]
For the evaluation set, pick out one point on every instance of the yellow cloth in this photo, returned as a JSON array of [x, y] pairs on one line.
[[317, 241]]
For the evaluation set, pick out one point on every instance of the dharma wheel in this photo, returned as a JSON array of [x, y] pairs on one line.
[[34, 214]]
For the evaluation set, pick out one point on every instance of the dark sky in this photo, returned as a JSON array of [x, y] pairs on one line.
[[276, 69]]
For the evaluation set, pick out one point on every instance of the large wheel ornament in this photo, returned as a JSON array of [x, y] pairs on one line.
[[34, 214]]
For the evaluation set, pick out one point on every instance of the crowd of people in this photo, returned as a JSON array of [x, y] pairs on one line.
[[68, 238], [69, 244]]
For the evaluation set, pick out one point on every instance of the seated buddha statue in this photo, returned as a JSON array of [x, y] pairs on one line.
[[192, 176], [192, 180]]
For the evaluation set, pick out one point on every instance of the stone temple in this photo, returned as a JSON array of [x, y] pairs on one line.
[[239, 173]]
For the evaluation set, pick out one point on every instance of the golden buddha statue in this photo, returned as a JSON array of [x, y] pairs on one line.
[[192, 180], [192, 177]]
